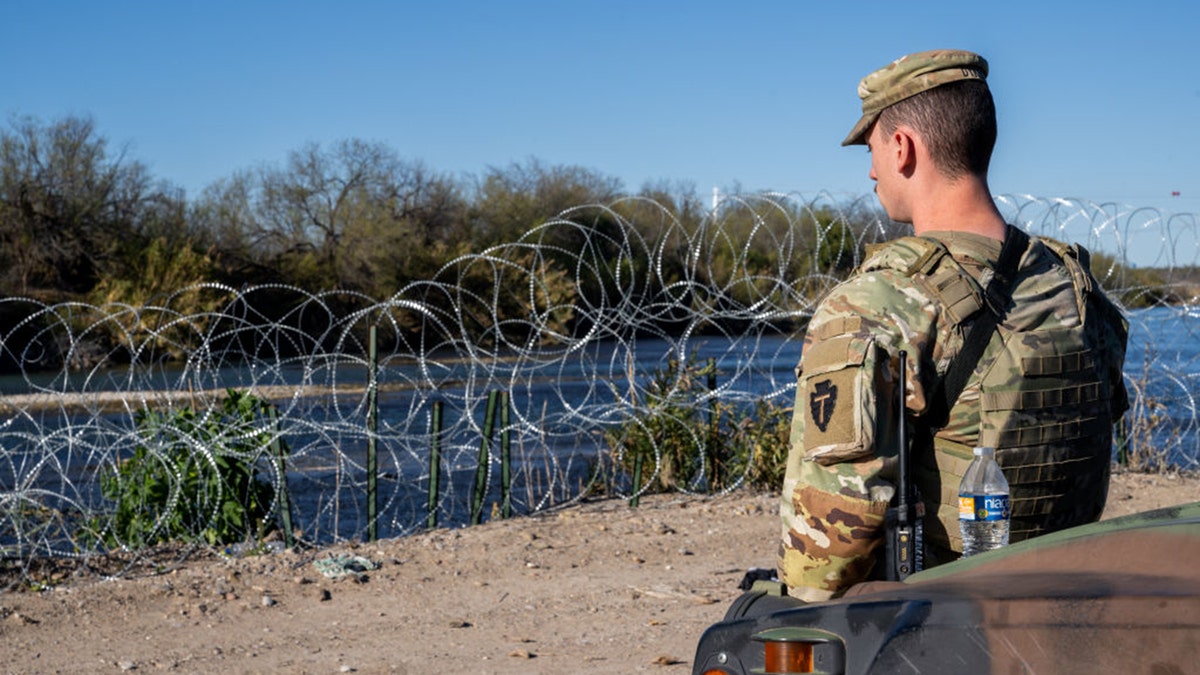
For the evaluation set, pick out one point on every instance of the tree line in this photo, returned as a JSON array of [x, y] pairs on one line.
[[82, 221], [77, 218]]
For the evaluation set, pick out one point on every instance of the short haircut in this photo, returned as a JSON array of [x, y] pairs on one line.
[[957, 121]]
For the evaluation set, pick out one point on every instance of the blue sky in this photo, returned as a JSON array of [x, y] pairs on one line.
[[1097, 101]]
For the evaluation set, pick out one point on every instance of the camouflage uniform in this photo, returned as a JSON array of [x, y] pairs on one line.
[[1045, 391], [1045, 394]]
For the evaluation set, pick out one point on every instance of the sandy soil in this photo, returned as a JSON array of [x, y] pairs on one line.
[[595, 588]]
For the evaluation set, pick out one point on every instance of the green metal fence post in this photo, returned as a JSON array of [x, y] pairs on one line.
[[280, 457], [711, 455], [638, 460], [435, 464], [372, 429], [505, 459], [481, 469]]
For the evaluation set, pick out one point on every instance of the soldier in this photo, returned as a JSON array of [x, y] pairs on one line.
[[1011, 343]]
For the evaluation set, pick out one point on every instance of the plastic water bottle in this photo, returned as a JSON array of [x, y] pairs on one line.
[[983, 507]]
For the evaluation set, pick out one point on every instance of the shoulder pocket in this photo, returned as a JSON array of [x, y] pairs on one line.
[[838, 399]]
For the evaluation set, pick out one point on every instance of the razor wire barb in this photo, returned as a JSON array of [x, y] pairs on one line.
[[586, 322]]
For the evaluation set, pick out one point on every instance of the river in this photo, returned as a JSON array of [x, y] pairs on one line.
[[561, 401]]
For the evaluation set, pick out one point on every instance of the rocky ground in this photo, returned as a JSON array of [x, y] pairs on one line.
[[595, 588]]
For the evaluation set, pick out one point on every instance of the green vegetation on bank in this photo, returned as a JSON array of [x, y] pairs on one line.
[[682, 436], [194, 478]]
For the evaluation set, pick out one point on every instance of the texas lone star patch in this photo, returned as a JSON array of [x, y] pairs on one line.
[[821, 402]]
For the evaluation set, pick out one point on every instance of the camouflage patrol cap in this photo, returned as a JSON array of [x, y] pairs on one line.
[[908, 76]]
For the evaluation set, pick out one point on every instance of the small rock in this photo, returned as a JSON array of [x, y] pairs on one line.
[[20, 619], [346, 669], [127, 665], [323, 595], [522, 654], [268, 601]]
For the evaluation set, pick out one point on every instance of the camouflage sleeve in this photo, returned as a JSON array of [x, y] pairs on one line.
[[840, 466]]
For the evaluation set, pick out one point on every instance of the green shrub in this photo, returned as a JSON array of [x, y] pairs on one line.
[[765, 433], [192, 479], [666, 439], [685, 441]]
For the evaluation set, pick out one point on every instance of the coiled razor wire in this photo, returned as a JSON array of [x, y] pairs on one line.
[[606, 306]]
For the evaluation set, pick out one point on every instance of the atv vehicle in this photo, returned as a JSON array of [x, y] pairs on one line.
[[1119, 596]]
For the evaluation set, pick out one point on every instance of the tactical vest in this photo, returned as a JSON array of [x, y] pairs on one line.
[[1045, 393]]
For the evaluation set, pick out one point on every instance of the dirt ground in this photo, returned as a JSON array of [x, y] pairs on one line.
[[595, 588]]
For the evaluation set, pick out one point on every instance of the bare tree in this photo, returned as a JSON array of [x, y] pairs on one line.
[[69, 211], [352, 216]]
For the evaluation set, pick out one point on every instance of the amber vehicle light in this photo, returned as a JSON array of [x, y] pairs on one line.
[[788, 657], [799, 649]]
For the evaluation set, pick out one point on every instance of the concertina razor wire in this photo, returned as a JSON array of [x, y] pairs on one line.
[[583, 323]]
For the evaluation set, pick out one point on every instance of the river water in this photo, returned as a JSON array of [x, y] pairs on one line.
[[561, 403]]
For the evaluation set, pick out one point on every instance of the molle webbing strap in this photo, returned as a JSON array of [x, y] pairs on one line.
[[1049, 433], [958, 295], [980, 333], [929, 258], [842, 325], [1058, 364], [1059, 397]]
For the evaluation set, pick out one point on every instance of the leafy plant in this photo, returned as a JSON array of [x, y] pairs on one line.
[[685, 438], [764, 432], [193, 478], [665, 440], [163, 274]]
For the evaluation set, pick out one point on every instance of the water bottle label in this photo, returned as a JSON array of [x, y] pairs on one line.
[[982, 507]]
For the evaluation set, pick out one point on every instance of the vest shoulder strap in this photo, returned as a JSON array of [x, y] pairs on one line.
[[980, 333], [907, 255], [929, 263]]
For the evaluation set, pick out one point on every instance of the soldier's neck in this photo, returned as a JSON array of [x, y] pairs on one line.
[[962, 205]]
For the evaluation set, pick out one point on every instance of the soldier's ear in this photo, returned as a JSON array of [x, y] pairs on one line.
[[904, 146]]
